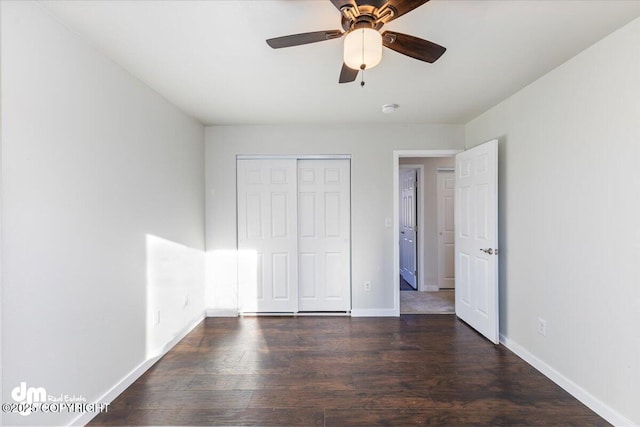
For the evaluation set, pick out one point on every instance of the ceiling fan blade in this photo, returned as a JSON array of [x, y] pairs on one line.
[[304, 38], [347, 75], [405, 6], [414, 47]]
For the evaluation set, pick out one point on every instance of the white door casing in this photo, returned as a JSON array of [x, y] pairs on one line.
[[446, 234], [476, 231], [408, 224], [324, 231], [267, 236]]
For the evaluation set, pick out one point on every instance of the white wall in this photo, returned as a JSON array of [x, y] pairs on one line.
[[570, 220], [371, 148], [429, 194], [94, 163]]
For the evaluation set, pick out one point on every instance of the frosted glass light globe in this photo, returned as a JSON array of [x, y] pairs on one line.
[[362, 46]]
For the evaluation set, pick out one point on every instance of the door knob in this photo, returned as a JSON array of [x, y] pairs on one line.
[[487, 251]]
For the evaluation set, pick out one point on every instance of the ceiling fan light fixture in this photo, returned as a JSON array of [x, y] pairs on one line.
[[362, 48], [362, 22]]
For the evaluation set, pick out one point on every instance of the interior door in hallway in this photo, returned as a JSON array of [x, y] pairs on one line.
[[446, 234], [324, 230], [267, 235], [476, 231], [408, 223]]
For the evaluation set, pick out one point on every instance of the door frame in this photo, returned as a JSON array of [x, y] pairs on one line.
[[420, 223], [397, 154]]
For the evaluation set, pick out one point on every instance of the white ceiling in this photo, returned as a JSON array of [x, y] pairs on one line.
[[210, 57]]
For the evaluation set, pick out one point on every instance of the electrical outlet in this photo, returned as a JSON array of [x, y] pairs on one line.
[[367, 286], [542, 327]]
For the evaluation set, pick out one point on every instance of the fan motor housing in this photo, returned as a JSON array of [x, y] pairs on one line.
[[366, 16]]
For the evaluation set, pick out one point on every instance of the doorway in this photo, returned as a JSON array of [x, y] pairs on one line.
[[429, 264]]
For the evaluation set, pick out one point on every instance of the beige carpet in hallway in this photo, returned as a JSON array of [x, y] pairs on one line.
[[414, 302]]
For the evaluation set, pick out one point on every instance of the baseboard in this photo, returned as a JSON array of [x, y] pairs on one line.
[[266, 314], [373, 312], [592, 402], [363, 312], [130, 378], [220, 312], [323, 314], [431, 288]]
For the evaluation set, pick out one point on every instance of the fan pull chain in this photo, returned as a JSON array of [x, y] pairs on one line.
[[363, 65]]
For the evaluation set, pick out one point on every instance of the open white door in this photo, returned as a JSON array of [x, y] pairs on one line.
[[476, 230], [408, 223]]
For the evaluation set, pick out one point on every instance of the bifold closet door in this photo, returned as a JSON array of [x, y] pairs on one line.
[[324, 230], [267, 236]]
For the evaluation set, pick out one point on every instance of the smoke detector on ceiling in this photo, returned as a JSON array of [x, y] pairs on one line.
[[389, 108]]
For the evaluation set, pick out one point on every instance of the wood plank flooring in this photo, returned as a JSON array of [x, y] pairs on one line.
[[339, 371]]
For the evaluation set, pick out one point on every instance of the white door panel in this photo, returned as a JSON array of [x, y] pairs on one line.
[[446, 229], [408, 244], [267, 236], [324, 214], [476, 238]]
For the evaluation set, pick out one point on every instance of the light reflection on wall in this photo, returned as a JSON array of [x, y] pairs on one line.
[[231, 275], [175, 290]]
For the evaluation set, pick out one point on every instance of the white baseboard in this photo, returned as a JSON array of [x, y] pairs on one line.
[[132, 376], [431, 288], [373, 312], [364, 312], [220, 312], [592, 402], [323, 314]]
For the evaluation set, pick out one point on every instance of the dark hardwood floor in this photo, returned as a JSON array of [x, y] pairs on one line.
[[340, 371]]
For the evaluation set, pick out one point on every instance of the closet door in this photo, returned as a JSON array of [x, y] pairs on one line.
[[324, 230], [267, 236]]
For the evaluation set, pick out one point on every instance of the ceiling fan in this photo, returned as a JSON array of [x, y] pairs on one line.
[[361, 22]]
